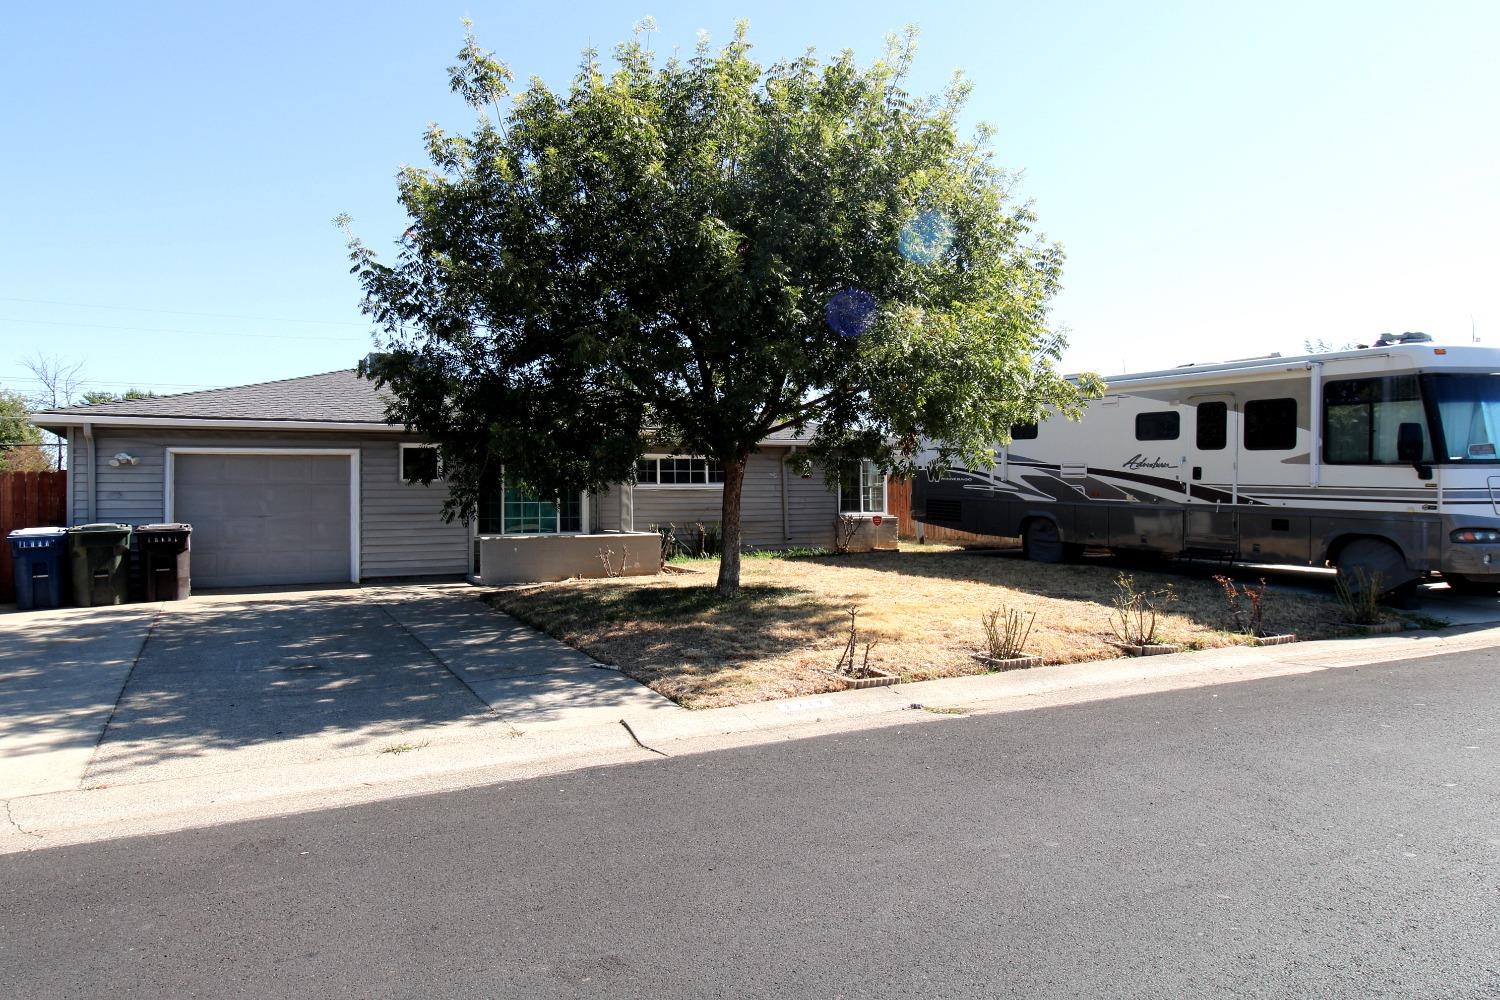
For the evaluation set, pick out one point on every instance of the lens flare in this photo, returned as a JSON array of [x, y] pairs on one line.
[[926, 237], [850, 312]]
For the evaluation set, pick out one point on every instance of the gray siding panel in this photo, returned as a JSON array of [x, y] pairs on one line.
[[401, 530], [811, 509]]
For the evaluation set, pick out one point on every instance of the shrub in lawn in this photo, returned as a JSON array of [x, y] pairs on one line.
[[1359, 595], [1247, 605], [850, 664], [843, 533], [1134, 618], [1006, 631], [710, 539]]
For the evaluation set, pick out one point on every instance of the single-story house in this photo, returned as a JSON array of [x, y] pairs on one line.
[[303, 481]]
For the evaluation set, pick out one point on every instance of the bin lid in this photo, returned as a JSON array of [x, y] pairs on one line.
[[100, 527], [163, 527], [38, 533]]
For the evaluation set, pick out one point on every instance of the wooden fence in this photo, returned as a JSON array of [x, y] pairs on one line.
[[28, 500], [898, 502]]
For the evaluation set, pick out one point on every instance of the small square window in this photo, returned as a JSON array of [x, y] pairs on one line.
[[1023, 432], [419, 463], [1270, 425], [645, 471], [1159, 425]]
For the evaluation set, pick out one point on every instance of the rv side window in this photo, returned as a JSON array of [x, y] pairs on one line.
[[1023, 432], [1162, 425], [1213, 426], [1271, 425], [1362, 416]]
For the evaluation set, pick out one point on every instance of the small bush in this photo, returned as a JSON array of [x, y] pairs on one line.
[[1359, 595], [1247, 605], [1134, 619], [1006, 631], [850, 663]]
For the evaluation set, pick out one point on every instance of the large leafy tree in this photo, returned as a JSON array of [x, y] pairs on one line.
[[20, 441], [702, 251]]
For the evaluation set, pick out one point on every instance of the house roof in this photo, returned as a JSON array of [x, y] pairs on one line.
[[338, 398]]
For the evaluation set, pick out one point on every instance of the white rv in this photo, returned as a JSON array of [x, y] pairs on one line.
[[1382, 459]]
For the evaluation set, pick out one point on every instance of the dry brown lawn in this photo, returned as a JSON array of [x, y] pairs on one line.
[[921, 605]]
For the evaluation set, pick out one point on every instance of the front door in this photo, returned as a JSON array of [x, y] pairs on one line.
[[1211, 525]]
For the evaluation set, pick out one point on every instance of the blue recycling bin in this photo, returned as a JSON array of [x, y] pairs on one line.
[[40, 557]]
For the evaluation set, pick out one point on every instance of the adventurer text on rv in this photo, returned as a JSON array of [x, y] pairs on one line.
[[1381, 462]]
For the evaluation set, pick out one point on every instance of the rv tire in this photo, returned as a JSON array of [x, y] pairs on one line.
[[1369, 560], [1042, 543]]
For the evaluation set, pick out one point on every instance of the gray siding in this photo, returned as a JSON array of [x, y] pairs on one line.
[[401, 531], [811, 509]]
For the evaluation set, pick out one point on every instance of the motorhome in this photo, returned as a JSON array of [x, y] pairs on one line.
[[1380, 462]]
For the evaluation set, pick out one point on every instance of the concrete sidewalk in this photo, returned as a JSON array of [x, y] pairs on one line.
[[442, 758]]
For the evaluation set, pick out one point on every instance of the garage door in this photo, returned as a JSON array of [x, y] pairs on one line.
[[264, 519]]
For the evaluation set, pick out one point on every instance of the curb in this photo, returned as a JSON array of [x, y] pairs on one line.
[[447, 763]]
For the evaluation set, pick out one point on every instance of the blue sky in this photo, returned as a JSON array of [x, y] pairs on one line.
[[1227, 179]]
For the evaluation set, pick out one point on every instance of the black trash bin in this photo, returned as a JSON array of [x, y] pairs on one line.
[[101, 569], [165, 551], [40, 559]]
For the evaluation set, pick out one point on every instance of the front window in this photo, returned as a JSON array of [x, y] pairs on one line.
[[1466, 409], [511, 510], [670, 470], [1362, 419], [862, 490]]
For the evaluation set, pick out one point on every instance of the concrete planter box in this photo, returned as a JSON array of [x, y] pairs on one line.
[[1009, 663], [1149, 649], [872, 533], [877, 678], [507, 559], [1273, 640]]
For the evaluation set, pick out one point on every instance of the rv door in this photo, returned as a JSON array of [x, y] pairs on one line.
[[1210, 525]]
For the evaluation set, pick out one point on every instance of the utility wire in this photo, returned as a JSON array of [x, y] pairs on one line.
[[180, 333], [179, 312]]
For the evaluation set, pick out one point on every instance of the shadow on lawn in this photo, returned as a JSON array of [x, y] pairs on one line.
[[693, 631]]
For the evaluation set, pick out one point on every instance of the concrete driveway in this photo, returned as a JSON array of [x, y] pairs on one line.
[[97, 697]]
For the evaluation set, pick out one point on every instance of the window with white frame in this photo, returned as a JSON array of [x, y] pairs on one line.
[[510, 510], [420, 463], [673, 470], [862, 490]]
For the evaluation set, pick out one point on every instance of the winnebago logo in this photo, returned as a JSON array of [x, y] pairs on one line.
[[1142, 462]]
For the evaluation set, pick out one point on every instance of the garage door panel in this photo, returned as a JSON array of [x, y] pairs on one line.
[[265, 519]]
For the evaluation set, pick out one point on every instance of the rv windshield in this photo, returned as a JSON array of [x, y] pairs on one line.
[[1467, 408]]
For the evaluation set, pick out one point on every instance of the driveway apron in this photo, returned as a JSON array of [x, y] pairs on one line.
[[60, 674]]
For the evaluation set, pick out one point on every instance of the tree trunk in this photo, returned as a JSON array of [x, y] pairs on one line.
[[729, 525]]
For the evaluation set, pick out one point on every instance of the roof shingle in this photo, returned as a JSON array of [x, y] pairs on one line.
[[332, 397]]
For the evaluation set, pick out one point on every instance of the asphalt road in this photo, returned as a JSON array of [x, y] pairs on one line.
[[1329, 835]]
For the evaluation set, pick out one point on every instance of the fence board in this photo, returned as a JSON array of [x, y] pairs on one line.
[[28, 500], [898, 502]]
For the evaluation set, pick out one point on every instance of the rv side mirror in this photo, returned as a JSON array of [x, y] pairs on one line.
[[1409, 447]]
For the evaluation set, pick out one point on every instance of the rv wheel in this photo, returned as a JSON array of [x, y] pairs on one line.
[[1042, 542], [1366, 561]]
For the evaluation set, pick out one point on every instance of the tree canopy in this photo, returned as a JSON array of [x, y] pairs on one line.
[[701, 251], [20, 441]]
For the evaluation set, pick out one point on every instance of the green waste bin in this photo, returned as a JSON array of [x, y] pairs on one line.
[[101, 569]]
